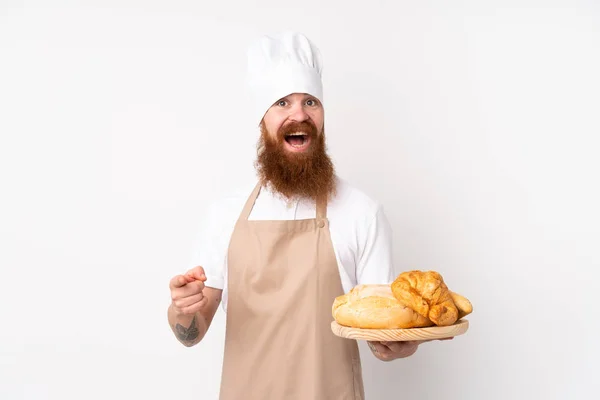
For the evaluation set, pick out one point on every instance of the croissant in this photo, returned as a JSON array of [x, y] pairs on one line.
[[427, 294]]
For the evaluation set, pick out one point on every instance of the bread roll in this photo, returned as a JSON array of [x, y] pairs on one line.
[[462, 303], [375, 307]]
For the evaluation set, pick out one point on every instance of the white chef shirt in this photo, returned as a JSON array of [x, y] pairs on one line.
[[360, 233]]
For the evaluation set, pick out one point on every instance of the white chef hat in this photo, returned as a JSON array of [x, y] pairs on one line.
[[279, 65]]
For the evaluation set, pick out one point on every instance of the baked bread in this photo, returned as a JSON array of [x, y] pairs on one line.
[[427, 294], [462, 303], [375, 307]]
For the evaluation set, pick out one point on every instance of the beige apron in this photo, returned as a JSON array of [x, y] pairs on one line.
[[282, 279]]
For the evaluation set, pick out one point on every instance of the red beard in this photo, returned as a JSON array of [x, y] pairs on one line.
[[305, 174]]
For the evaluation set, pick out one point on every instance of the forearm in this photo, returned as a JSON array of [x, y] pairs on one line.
[[189, 329]]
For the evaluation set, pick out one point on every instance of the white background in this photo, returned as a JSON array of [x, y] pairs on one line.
[[476, 124]]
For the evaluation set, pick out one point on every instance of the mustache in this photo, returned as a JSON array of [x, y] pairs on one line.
[[307, 127]]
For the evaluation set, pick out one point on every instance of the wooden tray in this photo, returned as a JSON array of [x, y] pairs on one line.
[[401, 335]]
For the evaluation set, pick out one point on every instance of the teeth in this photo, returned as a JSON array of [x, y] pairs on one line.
[[297, 134]]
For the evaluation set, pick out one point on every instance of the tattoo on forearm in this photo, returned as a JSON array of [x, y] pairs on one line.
[[187, 334]]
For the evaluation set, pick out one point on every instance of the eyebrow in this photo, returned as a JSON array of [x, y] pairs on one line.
[[305, 97]]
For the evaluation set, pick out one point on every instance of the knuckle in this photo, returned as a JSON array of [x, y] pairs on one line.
[[192, 309], [199, 305]]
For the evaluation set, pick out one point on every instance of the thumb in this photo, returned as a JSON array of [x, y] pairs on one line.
[[196, 273]]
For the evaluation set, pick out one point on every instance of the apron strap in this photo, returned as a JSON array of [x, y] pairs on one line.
[[321, 208], [250, 202]]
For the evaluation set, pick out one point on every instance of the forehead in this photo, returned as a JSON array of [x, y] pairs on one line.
[[298, 96]]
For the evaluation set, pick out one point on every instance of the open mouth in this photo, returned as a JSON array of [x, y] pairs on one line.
[[297, 141]]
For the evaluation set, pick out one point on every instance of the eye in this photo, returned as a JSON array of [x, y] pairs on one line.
[[282, 103], [311, 102]]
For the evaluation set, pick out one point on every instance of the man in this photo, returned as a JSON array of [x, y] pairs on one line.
[[279, 253]]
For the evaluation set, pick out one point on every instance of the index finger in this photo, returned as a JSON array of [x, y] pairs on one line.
[[377, 347], [397, 347], [178, 281]]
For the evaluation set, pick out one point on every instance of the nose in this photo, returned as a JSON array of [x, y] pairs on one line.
[[298, 113]]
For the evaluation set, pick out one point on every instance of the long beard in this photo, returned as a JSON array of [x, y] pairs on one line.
[[308, 174]]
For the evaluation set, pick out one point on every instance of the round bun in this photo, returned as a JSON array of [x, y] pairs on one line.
[[375, 307]]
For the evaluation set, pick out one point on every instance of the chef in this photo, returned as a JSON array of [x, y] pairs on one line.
[[277, 253]]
